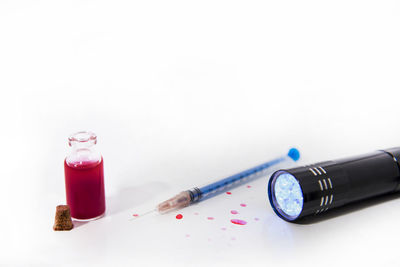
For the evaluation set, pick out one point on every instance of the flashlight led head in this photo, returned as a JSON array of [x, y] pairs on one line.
[[285, 195]]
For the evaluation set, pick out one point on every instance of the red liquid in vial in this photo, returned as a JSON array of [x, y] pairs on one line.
[[84, 184]]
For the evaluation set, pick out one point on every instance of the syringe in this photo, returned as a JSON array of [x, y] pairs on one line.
[[197, 194]]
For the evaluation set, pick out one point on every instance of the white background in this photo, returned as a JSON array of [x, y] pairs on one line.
[[181, 93]]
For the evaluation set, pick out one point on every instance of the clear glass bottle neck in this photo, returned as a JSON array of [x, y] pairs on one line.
[[83, 150]]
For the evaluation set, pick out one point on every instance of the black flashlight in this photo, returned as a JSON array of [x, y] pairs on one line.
[[314, 189]]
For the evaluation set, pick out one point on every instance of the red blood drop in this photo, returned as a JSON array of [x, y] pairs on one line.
[[228, 193], [234, 212], [249, 186], [239, 222], [210, 218], [179, 216], [135, 215], [243, 205]]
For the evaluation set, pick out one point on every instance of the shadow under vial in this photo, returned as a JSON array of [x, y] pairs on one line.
[[348, 208], [128, 197], [79, 223]]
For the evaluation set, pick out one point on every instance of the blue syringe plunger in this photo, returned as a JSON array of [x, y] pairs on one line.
[[294, 154]]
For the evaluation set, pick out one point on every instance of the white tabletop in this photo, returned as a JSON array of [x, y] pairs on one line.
[[181, 93]]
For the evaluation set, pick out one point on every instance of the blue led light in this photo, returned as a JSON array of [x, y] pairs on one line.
[[287, 195]]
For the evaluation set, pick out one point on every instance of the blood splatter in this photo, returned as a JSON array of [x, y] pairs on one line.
[[179, 216], [234, 212], [210, 218], [229, 193], [239, 222], [243, 205], [249, 186], [135, 215]]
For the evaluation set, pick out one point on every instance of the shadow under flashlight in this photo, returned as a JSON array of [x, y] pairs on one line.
[[312, 190]]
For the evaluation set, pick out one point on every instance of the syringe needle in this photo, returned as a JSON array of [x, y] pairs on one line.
[[135, 216], [179, 201]]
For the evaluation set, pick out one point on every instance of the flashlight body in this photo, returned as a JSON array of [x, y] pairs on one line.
[[331, 184]]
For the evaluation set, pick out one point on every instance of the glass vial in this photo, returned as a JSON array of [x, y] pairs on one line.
[[84, 177]]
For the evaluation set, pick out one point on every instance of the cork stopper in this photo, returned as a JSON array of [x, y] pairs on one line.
[[63, 220]]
